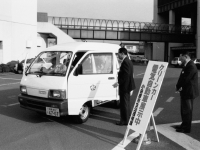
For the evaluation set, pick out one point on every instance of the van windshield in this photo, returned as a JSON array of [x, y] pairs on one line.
[[50, 63]]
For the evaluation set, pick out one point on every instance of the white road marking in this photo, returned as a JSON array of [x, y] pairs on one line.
[[157, 112], [13, 104], [133, 135], [139, 74], [13, 96], [10, 104], [10, 78], [182, 139], [128, 140], [170, 99], [9, 83]]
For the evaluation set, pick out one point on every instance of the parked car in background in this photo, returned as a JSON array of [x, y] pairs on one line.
[[4, 68], [20, 65], [176, 61], [41, 61], [197, 63], [138, 58], [144, 60], [11, 65]]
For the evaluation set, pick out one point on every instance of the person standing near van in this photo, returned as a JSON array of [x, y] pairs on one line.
[[126, 86], [187, 85]]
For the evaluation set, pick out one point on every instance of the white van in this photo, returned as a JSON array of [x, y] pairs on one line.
[[90, 70]]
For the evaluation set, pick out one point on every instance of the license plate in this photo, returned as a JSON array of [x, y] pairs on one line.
[[52, 111]]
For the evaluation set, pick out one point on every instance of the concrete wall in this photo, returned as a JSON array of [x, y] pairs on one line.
[[175, 18], [42, 42], [158, 51], [46, 28], [18, 29], [156, 17], [148, 51]]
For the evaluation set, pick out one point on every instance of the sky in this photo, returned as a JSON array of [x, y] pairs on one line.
[[127, 10]]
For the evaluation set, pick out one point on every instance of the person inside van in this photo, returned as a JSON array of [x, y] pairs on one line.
[[55, 68]]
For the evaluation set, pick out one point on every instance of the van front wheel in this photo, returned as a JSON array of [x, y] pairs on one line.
[[83, 114]]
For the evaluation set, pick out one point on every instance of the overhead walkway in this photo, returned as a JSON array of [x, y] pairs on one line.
[[101, 29]]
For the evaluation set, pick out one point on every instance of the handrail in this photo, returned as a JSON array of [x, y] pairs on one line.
[[119, 25]]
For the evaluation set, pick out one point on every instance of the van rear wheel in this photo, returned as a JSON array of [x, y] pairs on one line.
[[83, 114]]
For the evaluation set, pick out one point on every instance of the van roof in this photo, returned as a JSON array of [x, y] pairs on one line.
[[84, 46]]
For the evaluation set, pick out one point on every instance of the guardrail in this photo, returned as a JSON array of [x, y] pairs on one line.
[[118, 25]]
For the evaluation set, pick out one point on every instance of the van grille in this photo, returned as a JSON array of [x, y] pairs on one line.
[[36, 105]]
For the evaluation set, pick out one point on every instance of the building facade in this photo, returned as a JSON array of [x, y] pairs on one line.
[[22, 32], [174, 12], [18, 29]]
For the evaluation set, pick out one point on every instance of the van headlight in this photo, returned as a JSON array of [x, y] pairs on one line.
[[23, 89], [59, 94]]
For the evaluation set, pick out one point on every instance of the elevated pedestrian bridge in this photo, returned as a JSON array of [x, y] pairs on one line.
[[101, 29]]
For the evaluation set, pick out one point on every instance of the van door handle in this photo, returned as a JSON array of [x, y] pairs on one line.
[[111, 78]]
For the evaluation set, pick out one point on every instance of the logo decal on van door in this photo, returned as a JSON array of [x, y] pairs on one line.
[[93, 87]]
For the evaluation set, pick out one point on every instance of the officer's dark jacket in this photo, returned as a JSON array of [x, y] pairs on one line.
[[188, 80], [125, 76]]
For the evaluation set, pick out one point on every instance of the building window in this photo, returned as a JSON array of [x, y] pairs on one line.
[[51, 42], [186, 21]]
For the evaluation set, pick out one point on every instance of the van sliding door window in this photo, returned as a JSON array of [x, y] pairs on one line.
[[103, 63], [98, 63]]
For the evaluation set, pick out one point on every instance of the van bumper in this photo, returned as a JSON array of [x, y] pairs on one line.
[[39, 104]]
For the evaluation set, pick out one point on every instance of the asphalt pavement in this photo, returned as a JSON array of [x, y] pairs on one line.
[[22, 129]]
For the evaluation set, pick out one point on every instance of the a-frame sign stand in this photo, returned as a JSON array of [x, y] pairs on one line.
[[143, 134], [142, 111]]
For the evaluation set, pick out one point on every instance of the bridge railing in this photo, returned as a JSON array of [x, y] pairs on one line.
[[118, 25]]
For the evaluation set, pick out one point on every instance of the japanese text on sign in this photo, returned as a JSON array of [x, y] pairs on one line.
[[150, 90], [147, 96]]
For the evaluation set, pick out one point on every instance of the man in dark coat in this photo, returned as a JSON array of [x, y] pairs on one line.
[[126, 86], [187, 85]]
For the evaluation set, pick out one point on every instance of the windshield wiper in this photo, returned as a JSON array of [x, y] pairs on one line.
[[27, 73], [41, 74]]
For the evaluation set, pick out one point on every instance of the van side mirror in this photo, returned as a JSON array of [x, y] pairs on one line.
[[78, 70]]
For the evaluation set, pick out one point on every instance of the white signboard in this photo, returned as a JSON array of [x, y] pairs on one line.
[[147, 96]]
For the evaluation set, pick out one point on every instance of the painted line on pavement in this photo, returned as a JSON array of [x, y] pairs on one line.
[[10, 104], [9, 83], [13, 104], [182, 139], [157, 112], [10, 78], [170, 99], [133, 135], [127, 141], [140, 74], [13, 96]]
